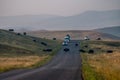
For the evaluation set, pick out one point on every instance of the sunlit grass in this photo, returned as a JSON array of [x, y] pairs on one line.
[[8, 63], [11, 61], [20, 51], [102, 65]]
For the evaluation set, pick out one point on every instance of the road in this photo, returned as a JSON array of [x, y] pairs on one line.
[[64, 66]]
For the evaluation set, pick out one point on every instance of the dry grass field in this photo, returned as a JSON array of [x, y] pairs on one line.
[[8, 63], [24, 51], [101, 65], [75, 34]]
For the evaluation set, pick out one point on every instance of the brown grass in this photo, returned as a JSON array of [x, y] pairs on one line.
[[75, 34], [8, 63], [107, 65]]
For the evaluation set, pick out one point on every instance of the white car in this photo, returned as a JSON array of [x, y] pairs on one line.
[[66, 40], [64, 43]]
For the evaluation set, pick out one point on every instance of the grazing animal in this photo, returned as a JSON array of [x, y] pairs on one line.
[[47, 50], [76, 44], [11, 29], [43, 43], [81, 50], [109, 51], [86, 46], [66, 49], [18, 34], [98, 39], [54, 38], [34, 40], [91, 51], [24, 33]]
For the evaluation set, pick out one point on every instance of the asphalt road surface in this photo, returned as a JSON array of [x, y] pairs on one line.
[[64, 66]]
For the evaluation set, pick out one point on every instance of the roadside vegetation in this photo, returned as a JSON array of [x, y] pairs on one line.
[[24, 51], [103, 63]]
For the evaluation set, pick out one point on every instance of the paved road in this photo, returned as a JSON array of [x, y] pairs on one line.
[[64, 66]]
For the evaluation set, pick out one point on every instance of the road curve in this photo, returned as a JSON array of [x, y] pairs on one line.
[[64, 66]]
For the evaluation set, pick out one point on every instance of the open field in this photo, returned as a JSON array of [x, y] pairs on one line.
[[101, 65], [75, 34], [20, 51], [8, 63]]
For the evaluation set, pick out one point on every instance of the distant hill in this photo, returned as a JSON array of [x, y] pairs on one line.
[[10, 41], [110, 30], [85, 21], [75, 34]]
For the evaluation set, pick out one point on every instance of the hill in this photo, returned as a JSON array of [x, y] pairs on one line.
[[110, 30], [87, 20], [18, 51], [75, 34], [13, 43]]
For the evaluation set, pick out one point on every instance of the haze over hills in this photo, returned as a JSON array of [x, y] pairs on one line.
[[110, 30], [85, 21]]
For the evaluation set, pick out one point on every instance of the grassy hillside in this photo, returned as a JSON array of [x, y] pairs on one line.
[[24, 42], [115, 30], [20, 51], [101, 65], [75, 34]]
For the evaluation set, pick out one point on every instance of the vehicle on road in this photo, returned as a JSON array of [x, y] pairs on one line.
[[65, 43], [67, 38], [86, 38]]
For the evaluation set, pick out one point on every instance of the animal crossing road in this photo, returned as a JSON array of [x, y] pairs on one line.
[[64, 66]]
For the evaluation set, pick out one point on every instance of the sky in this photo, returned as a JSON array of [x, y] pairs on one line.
[[54, 7]]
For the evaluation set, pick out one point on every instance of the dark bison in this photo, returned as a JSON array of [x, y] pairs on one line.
[[91, 51], [18, 34], [43, 43], [109, 51], [66, 49], [81, 50], [47, 50], [11, 29], [24, 33]]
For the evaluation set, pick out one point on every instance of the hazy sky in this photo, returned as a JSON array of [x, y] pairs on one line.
[[54, 7]]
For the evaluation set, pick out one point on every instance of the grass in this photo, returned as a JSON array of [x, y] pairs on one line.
[[11, 61], [21, 52], [101, 65], [24, 61], [25, 41], [89, 72]]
